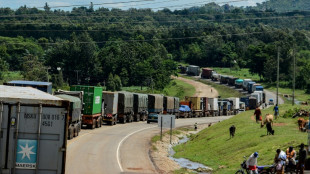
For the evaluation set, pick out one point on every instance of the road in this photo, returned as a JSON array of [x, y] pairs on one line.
[[118, 149]]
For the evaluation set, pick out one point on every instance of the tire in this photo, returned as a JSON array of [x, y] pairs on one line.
[[97, 123], [239, 172], [70, 133], [75, 131], [138, 118], [124, 120]]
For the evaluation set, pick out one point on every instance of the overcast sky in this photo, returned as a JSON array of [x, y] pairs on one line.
[[154, 4]]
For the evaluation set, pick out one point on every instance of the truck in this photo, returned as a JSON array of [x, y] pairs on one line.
[[242, 107], [213, 103], [176, 106], [125, 107], [195, 105], [43, 86], [224, 79], [140, 107], [245, 100], [257, 96], [235, 105], [224, 107], [184, 111], [245, 84], [231, 81], [155, 103], [257, 87], [32, 121], [110, 102], [252, 102], [206, 73], [75, 113], [238, 83], [168, 105], [250, 85], [92, 111], [193, 70], [205, 107], [260, 95], [215, 76]]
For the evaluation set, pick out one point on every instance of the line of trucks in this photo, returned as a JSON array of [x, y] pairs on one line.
[[255, 97]]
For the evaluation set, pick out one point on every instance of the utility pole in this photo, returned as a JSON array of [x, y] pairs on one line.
[[294, 73], [77, 76], [278, 72]]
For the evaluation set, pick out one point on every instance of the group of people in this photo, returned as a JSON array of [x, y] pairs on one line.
[[281, 160], [258, 113]]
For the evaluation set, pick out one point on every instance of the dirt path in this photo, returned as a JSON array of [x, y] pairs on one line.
[[202, 90]]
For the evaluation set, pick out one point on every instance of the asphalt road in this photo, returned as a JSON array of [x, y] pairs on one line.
[[118, 149]]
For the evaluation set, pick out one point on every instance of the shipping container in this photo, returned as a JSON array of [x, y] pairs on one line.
[[168, 105], [260, 95], [140, 107], [213, 102], [155, 103], [110, 102], [205, 106], [92, 111], [206, 73], [235, 104], [36, 122], [125, 107], [195, 105], [42, 86], [193, 70]]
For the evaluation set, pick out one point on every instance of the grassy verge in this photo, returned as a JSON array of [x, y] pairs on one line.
[[300, 95], [242, 73], [214, 148], [176, 88], [224, 91]]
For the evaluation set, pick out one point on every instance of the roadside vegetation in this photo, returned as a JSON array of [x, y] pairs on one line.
[[214, 148]]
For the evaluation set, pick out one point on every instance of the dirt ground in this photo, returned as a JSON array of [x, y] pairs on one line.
[[202, 90], [160, 151]]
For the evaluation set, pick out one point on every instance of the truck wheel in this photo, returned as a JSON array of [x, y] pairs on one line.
[[93, 126], [75, 131], [124, 120], [70, 133], [138, 118], [100, 122]]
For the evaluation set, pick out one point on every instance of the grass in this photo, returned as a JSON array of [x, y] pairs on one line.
[[243, 73], [224, 91], [176, 88], [184, 170], [11, 75], [300, 95], [214, 148]]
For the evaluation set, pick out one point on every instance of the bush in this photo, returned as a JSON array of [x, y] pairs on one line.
[[291, 112]]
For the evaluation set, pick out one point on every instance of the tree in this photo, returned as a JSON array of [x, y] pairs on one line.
[[111, 83], [33, 69], [118, 83]]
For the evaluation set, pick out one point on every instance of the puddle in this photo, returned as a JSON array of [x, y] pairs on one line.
[[185, 163]]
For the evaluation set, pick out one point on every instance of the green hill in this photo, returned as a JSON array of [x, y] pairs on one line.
[[214, 148]]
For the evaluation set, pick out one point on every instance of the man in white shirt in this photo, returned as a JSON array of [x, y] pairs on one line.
[[251, 163]]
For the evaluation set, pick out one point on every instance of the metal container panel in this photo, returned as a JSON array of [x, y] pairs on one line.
[[176, 104], [195, 102], [111, 101], [140, 103], [39, 122], [213, 103], [155, 103], [125, 102], [206, 73], [193, 70], [75, 107], [92, 98]]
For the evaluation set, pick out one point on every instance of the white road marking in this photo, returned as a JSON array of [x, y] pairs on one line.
[[119, 145]]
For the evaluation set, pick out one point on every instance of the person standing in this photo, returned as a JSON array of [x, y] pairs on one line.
[[279, 160], [276, 111], [290, 156], [257, 113], [301, 159], [251, 163]]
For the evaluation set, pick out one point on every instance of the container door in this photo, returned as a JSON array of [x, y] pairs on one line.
[[37, 140]]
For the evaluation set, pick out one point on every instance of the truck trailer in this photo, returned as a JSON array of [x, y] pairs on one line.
[[92, 111], [176, 106], [75, 113], [125, 107], [42, 86], [36, 122], [110, 102], [140, 102], [213, 103], [155, 103], [195, 105], [193, 70], [238, 83], [206, 73]]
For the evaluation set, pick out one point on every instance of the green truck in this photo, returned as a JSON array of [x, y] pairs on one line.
[[92, 111]]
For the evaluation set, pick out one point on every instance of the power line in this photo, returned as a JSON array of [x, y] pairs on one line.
[[146, 22], [148, 40]]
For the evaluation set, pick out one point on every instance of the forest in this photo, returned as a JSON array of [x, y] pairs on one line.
[[143, 47]]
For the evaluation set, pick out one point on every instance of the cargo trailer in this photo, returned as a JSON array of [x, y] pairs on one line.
[[176, 106], [205, 107], [168, 105], [206, 73], [223, 79], [193, 70], [250, 85], [235, 105], [36, 122], [140, 102], [238, 83], [155, 103], [232, 81], [125, 107], [213, 103], [195, 106], [215, 76], [110, 102], [42, 86], [92, 111]]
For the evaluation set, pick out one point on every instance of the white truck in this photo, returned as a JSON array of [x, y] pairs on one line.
[[235, 105], [245, 83], [213, 104]]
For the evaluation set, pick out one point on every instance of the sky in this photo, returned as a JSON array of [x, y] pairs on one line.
[[124, 4]]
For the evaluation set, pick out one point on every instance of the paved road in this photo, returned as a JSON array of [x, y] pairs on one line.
[[118, 149]]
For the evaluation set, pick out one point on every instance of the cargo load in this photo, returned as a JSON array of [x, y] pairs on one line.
[[195, 105], [140, 107], [155, 103], [193, 70], [35, 121], [110, 101], [206, 73], [42, 86], [92, 111], [238, 83], [125, 107], [168, 105]]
